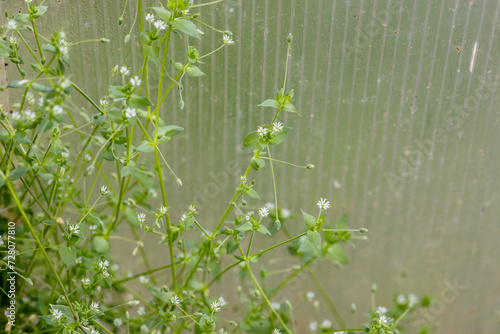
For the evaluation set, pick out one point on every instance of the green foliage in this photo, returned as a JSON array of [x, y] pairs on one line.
[[102, 164]]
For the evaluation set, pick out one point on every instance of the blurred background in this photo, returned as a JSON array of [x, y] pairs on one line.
[[400, 116]]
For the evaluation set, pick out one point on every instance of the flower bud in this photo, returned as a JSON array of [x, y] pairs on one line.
[[104, 40], [127, 39], [289, 38], [363, 230], [310, 166], [374, 288]]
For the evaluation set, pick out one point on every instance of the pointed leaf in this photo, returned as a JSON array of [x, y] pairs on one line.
[[262, 229], [270, 103], [68, 255], [153, 53], [162, 13], [145, 147], [138, 102], [186, 27], [290, 108], [194, 71], [252, 141], [309, 220], [252, 193], [280, 136], [128, 169], [315, 239]]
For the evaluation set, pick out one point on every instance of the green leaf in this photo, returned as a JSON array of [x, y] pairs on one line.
[[128, 169], [18, 84], [4, 135], [138, 102], [232, 246], [279, 137], [270, 103], [170, 130], [262, 229], [68, 255], [186, 27], [117, 91], [17, 173], [252, 141], [153, 53], [290, 108], [245, 228], [22, 17], [162, 13], [257, 163], [307, 248], [252, 193], [315, 239], [309, 220], [100, 244], [40, 87], [146, 147], [337, 254], [5, 50], [194, 71], [40, 10]]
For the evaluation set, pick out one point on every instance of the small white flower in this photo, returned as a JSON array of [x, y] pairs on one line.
[[275, 305], [58, 109], [309, 295], [323, 204], [30, 114], [87, 157], [117, 322], [74, 229], [124, 70], [86, 281], [105, 273], [227, 39], [263, 212], [326, 324], [382, 309], [215, 306], [94, 306], [383, 319], [16, 115], [412, 300], [2, 242], [183, 217], [143, 279], [162, 210], [103, 264], [313, 325], [247, 218], [150, 17], [222, 301], [12, 40], [135, 81], [28, 1], [243, 178], [276, 331], [41, 101], [175, 300], [144, 329], [57, 313], [262, 131], [104, 190], [65, 155], [64, 42], [79, 260], [152, 192], [192, 208], [277, 126], [159, 24], [94, 331], [103, 103], [141, 311], [130, 112], [11, 24], [93, 228], [64, 49], [401, 299], [285, 213], [141, 217]]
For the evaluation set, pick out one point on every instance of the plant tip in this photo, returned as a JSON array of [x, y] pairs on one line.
[[363, 230], [310, 166]]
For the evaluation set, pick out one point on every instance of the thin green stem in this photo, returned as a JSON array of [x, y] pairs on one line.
[[257, 285], [274, 184]]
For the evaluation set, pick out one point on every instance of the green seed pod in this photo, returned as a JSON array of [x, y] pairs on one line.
[[127, 39], [244, 202], [289, 38], [104, 40], [363, 230], [277, 225], [353, 308], [120, 21], [374, 288], [310, 166]]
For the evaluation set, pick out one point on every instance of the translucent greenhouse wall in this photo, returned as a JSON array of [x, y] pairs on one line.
[[400, 116]]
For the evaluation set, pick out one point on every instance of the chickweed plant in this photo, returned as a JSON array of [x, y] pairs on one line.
[[76, 171]]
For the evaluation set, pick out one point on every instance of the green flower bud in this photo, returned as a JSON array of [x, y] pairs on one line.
[[374, 288], [104, 40], [310, 166], [127, 39], [353, 308], [289, 38], [363, 230]]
